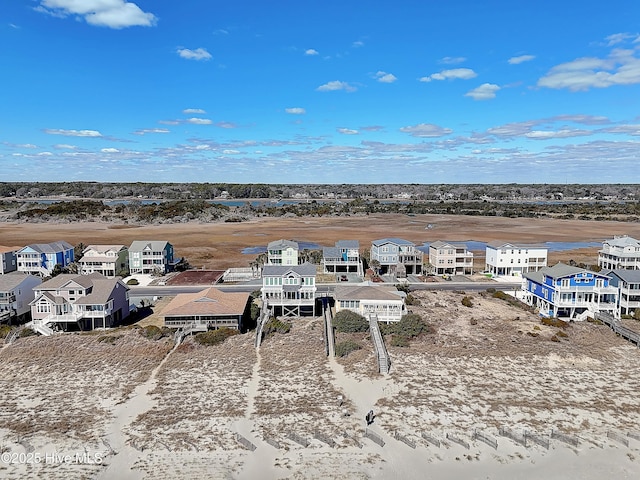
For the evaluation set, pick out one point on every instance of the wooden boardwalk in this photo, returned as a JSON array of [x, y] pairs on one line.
[[615, 325]]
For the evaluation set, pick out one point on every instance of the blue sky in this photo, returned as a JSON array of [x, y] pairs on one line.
[[320, 92]]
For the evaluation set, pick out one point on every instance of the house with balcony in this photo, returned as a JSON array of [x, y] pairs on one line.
[[620, 253], [82, 302], [449, 258], [386, 302], [208, 309], [41, 258], [8, 261], [289, 290], [282, 252], [343, 258], [628, 284], [16, 293], [506, 259], [109, 260], [568, 292], [150, 257], [396, 256]]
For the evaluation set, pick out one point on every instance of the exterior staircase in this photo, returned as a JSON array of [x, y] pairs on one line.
[[41, 326], [384, 362]]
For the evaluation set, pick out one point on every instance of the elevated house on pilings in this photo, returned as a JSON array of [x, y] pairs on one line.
[[290, 290]]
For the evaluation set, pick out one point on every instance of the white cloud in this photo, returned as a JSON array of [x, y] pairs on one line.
[[295, 111], [619, 38], [452, 60], [144, 131], [426, 130], [357, 44], [198, 121], [103, 13], [64, 146], [520, 59], [197, 54], [453, 74], [193, 111], [230, 152], [347, 131], [110, 150], [72, 133], [226, 125], [311, 51], [45, 154], [551, 134], [336, 85], [486, 91], [621, 67], [169, 122], [624, 129], [385, 77]]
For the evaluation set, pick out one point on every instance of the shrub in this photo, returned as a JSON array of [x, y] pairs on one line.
[[561, 334], [514, 302], [345, 348], [26, 332], [347, 321], [275, 325], [215, 337], [409, 326], [466, 301], [109, 338], [554, 322], [411, 300], [151, 332], [399, 341], [133, 281], [4, 331]]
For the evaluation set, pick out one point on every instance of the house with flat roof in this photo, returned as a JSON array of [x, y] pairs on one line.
[[83, 302], [289, 290], [343, 258], [620, 253], [150, 257], [386, 302], [109, 260], [16, 293], [396, 256], [208, 309], [450, 258], [282, 252], [506, 259], [41, 258], [573, 293]]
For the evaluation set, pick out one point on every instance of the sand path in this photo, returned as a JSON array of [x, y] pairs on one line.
[[124, 456]]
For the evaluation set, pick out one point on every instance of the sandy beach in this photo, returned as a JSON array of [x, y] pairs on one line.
[[159, 411]]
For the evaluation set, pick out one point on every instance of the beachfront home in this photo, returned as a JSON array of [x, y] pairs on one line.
[[620, 253], [150, 257], [396, 257], [628, 284], [569, 292], [449, 258], [109, 260], [290, 290], [514, 259], [207, 309], [386, 302], [282, 252], [16, 292], [8, 261], [83, 301], [41, 258], [343, 258]]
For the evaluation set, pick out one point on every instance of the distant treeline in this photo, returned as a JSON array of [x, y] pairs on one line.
[[181, 211], [435, 192]]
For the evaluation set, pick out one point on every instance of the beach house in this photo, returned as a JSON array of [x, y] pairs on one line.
[[150, 257], [282, 252], [8, 260], [386, 302], [16, 293], [449, 258], [396, 256], [290, 290], [504, 259], [41, 258], [109, 260], [620, 253], [569, 292], [628, 284], [343, 258]]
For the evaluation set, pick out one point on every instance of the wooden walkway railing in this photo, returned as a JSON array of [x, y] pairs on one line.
[[265, 315], [384, 362], [624, 332]]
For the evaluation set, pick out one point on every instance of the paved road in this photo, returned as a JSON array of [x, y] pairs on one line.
[[169, 291]]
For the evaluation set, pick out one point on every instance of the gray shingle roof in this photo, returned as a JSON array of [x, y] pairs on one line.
[[629, 276], [624, 241], [52, 247], [282, 244], [154, 245], [396, 241], [304, 270], [366, 292], [9, 281]]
